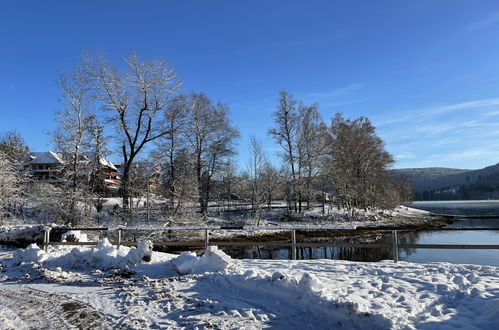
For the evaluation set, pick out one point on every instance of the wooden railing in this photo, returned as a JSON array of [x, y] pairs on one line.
[[293, 244]]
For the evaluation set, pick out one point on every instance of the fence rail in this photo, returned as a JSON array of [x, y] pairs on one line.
[[293, 244]]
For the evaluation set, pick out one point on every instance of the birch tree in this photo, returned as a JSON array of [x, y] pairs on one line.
[[312, 133], [285, 133], [256, 167], [71, 138]]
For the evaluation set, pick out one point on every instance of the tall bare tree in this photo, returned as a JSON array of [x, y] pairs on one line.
[[71, 139], [211, 137], [13, 176], [135, 100], [285, 133], [169, 147], [256, 167], [73, 121], [311, 148]]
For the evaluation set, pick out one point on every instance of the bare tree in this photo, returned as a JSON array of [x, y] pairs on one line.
[[211, 138], [97, 145], [255, 167], [169, 146], [70, 139], [15, 152], [359, 164], [271, 181], [135, 100], [285, 133], [10, 185], [13, 146], [229, 179], [311, 148], [73, 121]]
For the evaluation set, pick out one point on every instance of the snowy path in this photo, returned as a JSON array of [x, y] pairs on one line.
[[27, 309]]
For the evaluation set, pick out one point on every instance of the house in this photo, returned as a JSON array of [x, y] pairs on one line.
[[49, 166], [105, 179], [46, 166]]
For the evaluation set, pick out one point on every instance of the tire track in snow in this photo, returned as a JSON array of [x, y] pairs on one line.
[[41, 310]]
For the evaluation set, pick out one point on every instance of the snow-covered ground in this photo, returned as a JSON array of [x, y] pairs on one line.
[[102, 287]]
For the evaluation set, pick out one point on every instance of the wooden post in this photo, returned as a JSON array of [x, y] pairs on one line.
[[119, 238], [206, 240], [46, 239], [395, 246], [293, 244], [147, 209]]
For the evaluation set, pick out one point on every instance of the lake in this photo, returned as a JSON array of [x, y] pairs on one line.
[[476, 208]]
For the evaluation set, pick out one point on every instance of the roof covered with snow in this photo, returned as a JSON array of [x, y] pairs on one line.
[[45, 157], [105, 162]]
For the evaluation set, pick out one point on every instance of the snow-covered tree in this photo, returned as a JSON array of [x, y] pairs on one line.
[[256, 167], [10, 185], [135, 101], [359, 164], [13, 177]]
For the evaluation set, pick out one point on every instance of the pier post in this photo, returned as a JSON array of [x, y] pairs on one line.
[[206, 240], [46, 239], [293, 244], [119, 238], [395, 246]]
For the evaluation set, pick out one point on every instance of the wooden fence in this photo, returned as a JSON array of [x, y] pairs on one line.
[[293, 244]]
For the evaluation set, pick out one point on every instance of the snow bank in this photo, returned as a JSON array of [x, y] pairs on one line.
[[31, 255], [103, 256], [24, 235], [213, 260]]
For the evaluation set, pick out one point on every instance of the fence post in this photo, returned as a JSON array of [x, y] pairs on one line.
[[46, 239], [395, 246], [293, 244], [119, 238], [206, 240]]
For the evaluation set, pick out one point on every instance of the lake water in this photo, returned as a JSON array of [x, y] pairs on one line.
[[482, 257]]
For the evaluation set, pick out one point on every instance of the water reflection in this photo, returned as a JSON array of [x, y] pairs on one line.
[[328, 252]]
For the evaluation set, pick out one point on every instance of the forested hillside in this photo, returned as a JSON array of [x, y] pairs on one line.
[[448, 183]]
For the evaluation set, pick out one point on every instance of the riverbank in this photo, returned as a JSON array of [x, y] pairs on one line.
[[361, 221]]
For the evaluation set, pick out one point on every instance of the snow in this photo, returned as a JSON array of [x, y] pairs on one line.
[[22, 233], [46, 157], [141, 288], [74, 236], [213, 260]]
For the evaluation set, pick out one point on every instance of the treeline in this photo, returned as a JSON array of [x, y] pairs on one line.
[[484, 187], [182, 147]]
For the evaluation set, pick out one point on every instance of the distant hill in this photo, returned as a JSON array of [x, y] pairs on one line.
[[438, 183]]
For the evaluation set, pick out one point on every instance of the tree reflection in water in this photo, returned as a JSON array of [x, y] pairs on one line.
[[327, 252]]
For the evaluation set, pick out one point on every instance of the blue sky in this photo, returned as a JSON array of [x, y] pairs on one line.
[[425, 72]]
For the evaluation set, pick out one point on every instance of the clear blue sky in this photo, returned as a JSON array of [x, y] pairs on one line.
[[425, 72]]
